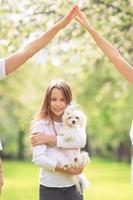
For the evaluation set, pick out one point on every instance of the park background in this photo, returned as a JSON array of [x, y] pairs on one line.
[[104, 95]]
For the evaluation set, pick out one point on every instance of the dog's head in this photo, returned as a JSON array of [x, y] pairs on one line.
[[73, 117]]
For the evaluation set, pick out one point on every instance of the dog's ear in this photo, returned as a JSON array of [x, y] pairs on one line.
[[83, 119], [74, 105], [65, 118]]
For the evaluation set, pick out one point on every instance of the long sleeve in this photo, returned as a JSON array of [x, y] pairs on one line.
[[131, 133], [40, 159], [40, 152], [2, 68], [78, 142], [0, 146]]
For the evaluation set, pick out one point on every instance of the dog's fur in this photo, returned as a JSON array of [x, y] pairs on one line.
[[74, 124]]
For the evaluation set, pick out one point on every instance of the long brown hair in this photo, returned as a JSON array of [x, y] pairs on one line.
[[45, 109]]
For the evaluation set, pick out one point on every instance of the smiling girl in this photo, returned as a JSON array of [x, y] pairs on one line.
[[55, 182]]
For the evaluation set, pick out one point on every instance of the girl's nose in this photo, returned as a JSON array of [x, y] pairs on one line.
[[58, 103]]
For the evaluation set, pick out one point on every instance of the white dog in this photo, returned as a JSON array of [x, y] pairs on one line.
[[74, 125]]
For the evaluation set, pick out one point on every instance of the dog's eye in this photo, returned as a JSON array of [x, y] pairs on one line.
[[69, 117], [77, 117]]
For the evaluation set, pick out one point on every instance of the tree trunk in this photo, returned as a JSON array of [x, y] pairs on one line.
[[20, 145]]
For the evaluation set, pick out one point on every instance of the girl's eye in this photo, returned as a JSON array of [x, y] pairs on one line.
[[62, 99], [53, 99]]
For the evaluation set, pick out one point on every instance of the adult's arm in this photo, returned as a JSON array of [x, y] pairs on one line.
[[15, 60], [109, 50]]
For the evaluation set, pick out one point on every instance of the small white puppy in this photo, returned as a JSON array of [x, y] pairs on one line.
[[74, 122], [74, 125]]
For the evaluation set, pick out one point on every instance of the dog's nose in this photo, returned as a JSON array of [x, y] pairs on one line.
[[73, 122]]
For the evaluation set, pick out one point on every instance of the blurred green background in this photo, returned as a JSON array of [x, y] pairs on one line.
[[104, 95], [108, 180]]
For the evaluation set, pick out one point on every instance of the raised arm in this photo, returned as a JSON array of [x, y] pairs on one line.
[[15, 60], [111, 52]]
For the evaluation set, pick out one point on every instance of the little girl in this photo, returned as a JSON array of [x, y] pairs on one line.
[[56, 183]]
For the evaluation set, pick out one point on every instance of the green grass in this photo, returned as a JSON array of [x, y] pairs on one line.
[[109, 181]]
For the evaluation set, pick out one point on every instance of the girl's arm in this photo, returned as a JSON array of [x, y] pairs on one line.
[[111, 52], [20, 57], [40, 154], [39, 138], [40, 159]]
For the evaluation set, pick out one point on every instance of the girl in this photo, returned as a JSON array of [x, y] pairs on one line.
[[55, 182]]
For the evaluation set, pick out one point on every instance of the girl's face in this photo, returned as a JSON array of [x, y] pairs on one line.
[[57, 104]]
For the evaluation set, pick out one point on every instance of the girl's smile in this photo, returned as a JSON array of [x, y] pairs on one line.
[[57, 103]]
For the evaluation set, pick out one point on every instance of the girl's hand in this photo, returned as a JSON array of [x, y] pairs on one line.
[[80, 17], [67, 19], [71, 171], [40, 138], [75, 171]]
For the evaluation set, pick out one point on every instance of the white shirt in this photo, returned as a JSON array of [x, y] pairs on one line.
[[0, 146], [2, 69], [131, 133], [46, 156]]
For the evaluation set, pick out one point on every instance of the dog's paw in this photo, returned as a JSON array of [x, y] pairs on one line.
[[65, 165], [68, 138], [84, 158], [75, 162]]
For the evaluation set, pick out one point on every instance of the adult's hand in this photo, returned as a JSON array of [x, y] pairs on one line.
[[67, 19]]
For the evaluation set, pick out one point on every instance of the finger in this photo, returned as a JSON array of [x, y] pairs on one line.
[[32, 139], [78, 19], [33, 135], [78, 12], [72, 12], [77, 7], [33, 144], [71, 15]]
